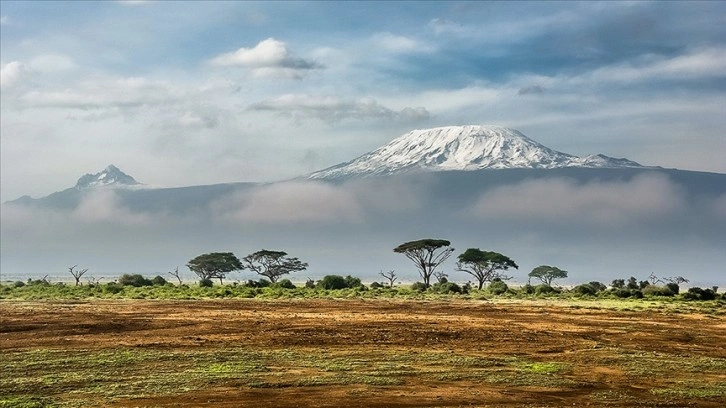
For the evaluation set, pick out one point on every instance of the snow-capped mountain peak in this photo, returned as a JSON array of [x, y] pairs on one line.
[[110, 176], [472, 147]]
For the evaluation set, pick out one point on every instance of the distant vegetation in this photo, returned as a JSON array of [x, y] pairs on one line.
[[486, 267]]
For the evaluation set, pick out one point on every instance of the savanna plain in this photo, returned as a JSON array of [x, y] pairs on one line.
[[362, 352]]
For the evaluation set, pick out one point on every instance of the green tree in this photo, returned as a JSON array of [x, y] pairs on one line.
[[547, 274], [273, 264], [484, 266], [214, 265], [426, 254]]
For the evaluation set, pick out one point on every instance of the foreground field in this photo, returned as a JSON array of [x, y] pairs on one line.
[[357, 353]]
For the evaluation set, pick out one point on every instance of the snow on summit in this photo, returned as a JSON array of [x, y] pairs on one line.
[[111, 175], [472, 147]]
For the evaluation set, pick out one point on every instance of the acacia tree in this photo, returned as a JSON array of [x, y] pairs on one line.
[[427, 254], [273, 264], [77, 273], [391, 276], [177, 275], [547, 274], [485, 266], [214, 265]]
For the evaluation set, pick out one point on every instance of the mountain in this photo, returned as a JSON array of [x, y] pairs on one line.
[[110, 176], [463, 148]]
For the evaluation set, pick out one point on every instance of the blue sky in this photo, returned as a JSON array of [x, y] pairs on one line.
[[180, 93]]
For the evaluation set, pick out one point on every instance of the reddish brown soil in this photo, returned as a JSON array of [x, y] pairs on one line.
[[586, 340]]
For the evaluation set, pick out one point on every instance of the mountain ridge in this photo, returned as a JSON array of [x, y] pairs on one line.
[[469, 147]]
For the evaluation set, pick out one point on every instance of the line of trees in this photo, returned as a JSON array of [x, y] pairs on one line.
[[484, 266], [270, 264]]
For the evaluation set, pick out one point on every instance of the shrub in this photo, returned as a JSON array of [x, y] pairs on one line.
[[598, 286], [446, 287], [158, 281], [310, 284], [527, 289], [376, 285], [699, 294], [621, 292], [543, 289], [653, 290], [284, 284], [497, 287], [112, 288], [332, 282], [585, 290], [419, 287], [134, 280], [18, 284], [206, 283], [351, 282], [673, 287]]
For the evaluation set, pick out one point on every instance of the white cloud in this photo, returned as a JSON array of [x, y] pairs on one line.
[[102, 206], [607, 204], [12, 73], [399, 44], [292, 202], [270, 58], [101, 93], [702, 63], [334, 109], [52, 63]]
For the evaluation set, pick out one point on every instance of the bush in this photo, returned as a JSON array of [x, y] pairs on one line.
[[585, 290], [673, 287], [18, 284], [419, 287], [331, 282], [206, 283], [699, 294], [351, 282], [543, 289], [135, 280], [284, 284], [626, 293], [446, 287], [158, 281], [497, 287], [653, 290], [527, 289], [112, 288], [310, 284], [598, 286], [376, 285]]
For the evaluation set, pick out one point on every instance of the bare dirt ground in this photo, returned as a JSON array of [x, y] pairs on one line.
[[357, 353]]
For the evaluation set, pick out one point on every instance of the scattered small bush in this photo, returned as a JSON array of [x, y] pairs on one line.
[[543, 289], [112, 288], [206, 283], [653, 290], [497, 287], [135, 280], [332, 282], [673, 287], [284, 284], [419, 287], [446, 287], [18, 284], [585, 290], [598, 286], [699, 294], [352, 282], [158, 280], [376, 285]]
